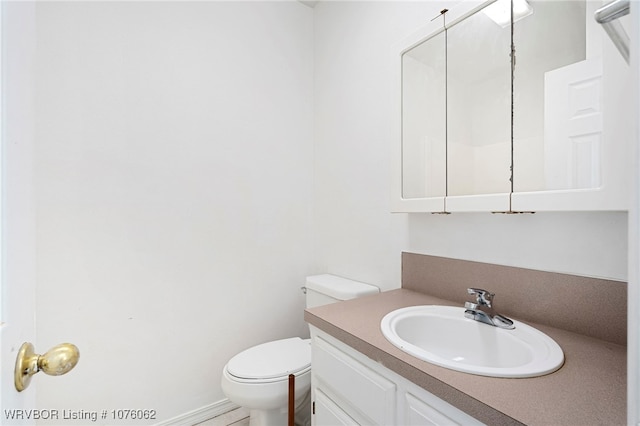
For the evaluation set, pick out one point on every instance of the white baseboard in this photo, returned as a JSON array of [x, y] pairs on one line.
[[201, 414]]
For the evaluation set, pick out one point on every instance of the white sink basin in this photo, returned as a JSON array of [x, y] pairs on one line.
[[443, 336]]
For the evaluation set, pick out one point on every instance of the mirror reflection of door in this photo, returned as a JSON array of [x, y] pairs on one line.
[[553, 75], [571, 96]]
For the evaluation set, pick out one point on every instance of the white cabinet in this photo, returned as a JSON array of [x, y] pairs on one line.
[[478, 130], [366, 395], [350, 389], [423, 408]]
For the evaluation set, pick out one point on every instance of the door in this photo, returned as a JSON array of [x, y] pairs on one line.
[[17, 228], [573, 126]]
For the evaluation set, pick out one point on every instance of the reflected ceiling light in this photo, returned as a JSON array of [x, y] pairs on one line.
[[500, 11]]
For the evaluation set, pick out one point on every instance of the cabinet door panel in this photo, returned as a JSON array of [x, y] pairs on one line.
[[366, 391], [424, 408], [418, 413], [328, 413]]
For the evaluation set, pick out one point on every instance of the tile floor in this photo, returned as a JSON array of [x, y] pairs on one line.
[[239, 417]]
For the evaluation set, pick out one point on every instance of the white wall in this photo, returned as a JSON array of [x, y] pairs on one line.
[[358, 238], [174, 186]]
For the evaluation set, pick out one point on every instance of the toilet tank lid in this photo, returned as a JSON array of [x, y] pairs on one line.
[[339, 288]]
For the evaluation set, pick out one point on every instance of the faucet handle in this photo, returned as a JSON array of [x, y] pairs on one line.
[[470, 305], [483, 297]]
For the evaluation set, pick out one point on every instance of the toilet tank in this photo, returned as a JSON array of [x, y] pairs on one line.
[[324, 289]]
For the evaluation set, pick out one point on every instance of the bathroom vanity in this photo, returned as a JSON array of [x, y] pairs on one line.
[[358, 377], [349, 388]]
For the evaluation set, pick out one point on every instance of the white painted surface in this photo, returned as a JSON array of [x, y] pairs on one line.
[[174, 188], [18, 204], [352, 384]]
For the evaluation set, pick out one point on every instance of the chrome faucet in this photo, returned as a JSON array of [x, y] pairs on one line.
[[482, 309]]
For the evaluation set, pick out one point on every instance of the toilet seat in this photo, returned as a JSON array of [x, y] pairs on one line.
[[271, 361]]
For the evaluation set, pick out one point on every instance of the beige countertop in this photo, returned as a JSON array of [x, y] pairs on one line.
[[589, 389]]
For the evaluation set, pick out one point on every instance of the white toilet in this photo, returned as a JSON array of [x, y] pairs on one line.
[[258, 378]]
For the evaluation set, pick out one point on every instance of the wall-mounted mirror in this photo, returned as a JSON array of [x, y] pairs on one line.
[[456, 108], [571, 104], [424, 123], [553, 74], [478, 106], [546, 131]]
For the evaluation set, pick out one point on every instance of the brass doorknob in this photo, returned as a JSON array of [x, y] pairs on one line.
[[57, 361]]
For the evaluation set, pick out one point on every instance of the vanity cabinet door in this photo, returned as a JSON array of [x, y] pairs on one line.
[[419, 413], [362, 393], [327, 413], [422, 408]]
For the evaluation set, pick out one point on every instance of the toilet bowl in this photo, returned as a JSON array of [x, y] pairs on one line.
[[258, 378]]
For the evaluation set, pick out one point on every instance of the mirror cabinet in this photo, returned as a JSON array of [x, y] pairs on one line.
[[502, 116]]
